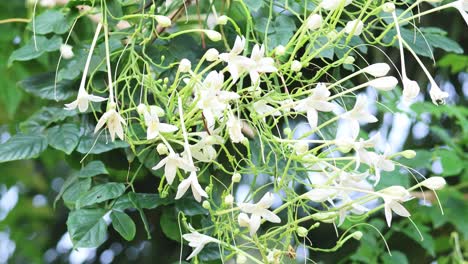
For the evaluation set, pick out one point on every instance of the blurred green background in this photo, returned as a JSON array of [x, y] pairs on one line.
[[31, 231]]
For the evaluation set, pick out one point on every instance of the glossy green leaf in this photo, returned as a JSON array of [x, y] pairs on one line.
[[75, 189], [89, 144], [45, 117], [101, 193], [43, 86], [190, 207], [92, 169], [123, 224], [87, 227], [29, 51], [20, 147], [51, 21], [170, 224], [64, 137], [144, 200], [396, 257], [133, 199]]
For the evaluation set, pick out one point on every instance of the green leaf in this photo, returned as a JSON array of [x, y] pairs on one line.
[[452, 165], [190, 207], [101, 193], [170, 224], [45, 117], [29, 51], [133, 199], [284, 28], [427, 242], [144, 201], [89, 144], [67, 183], [87, 227], [455, 62], [437, 39], [51, 21], [123, 224], [92, 169], [396, 257], [64, 137], [43, 86], [20, 147], [75, 190], [253, 5]]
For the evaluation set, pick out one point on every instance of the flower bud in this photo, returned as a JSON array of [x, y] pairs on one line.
[[243, 220], [123, 24], [287, 131], [162, 149], [163, 21], [357, 235], [319, 195], [229, 199], [236, 177], [409, 154], [66, 51], [141, 109], [326, 217], [301, 147], [437, 95], [314, 22], [388, 7], [280, 50], [296, 66], [206, 205], [434, 183], [396, 192], [241, 259], [302, 231], [410, 89], [349, 60], [185, 65], [377, 69], [213, 35], [355, 27], [222, 20], [386, 83], [211, 54]]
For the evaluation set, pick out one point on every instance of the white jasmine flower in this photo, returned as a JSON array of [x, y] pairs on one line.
[[379, 162], [355, 27], [234, 126], [236, 64], [213, 35], [410, 89], [198, 242], [260, 64], [317, 101], [320, 195], [114, 122], [163, 21], [204, 149], [296, 66], [185, 65], [222, 20], [386, 83], [334, 4], [358, 114], [173, 162], [393, 196], [434, 183], [191, 181], [437, 95], [314, 22], [66, 51], [258, 212], [211, 54], [154, 127], [377, 69], [82, 101]]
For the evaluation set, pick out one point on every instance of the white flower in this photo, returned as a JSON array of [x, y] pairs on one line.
[[355, 27], [66, 51], [163, 21], [410, 89], [262, 108], [114, 122], [379, 162], [296, 65], [173, 162], [154, 127], [191, 181], [83, 100], [320, 195], [234, 126], [462, 7], [393, 196], [334, 4], [211, 54], [222, 20], [317, 101], [386, 83], [258, 212], [260, 64], [198, 242], [280, 50], [377, 69], [437, 95], [185, 65], [434, 183], [203, 150], [358, 114], [314, 22], [213, 35], [236, 64], [229, 199]]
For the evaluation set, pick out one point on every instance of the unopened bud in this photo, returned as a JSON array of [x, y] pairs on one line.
[[229, 199], [185, 65], [236, 177], [434, 183], [222, 20], [280, 50], [66, 51], [213, 35], [388, 7], [349, 60], [211, 54], [409, 154], [301, 147], [302, 231], [357, 235], [206, 205], [386, 83], [314, 22], [296, 66], [141, 109], [163, 21], [162, 149], [241, 259], [377, 69]]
